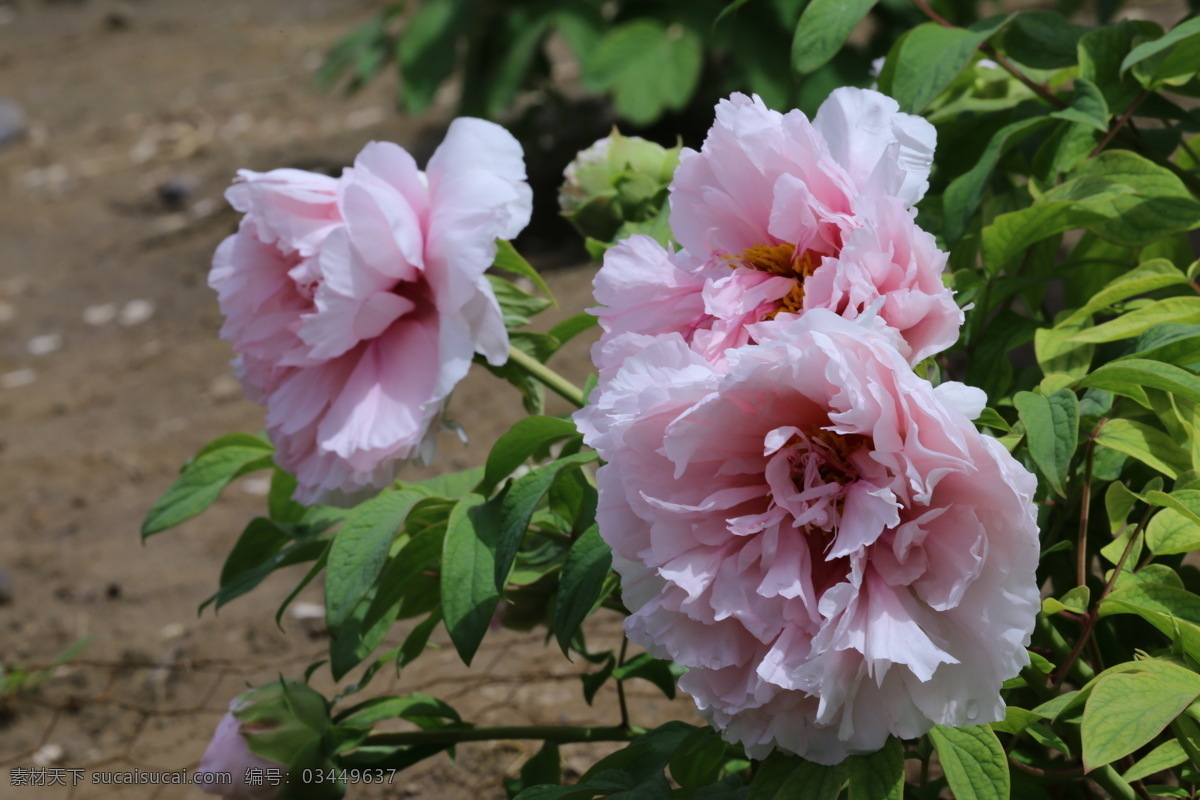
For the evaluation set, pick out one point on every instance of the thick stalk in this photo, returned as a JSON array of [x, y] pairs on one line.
[[548, 377], [544, 733]]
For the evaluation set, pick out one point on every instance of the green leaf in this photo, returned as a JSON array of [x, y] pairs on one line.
[[360, 549], [974, 762], [1043, 39], [1180, 54], [1149, 445], [580, 589], [413, 706], [409, 562], [469, 595], [823, 29], [203, 478], [1128, 709], [574, 325], [699, 759], [516, 305], [1100, 54], [965, 192], [516, 505], [649, 68], [1051, 430], [785, 777], [1075, 600], [1118, 376], [991, 418], [1171, 343], [929, 57], [1057, 353], [428, 49], [1170, 532], [880, 775], [1174, 611], [1157, 273], [645, 666], [1156, 204], [509, 260], [646, 756], [1166, 755], [1087, 106], [521, 441], [1185, 310]]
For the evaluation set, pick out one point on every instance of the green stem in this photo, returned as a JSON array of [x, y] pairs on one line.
[[1111, 782], [548, 377], [545, 733]]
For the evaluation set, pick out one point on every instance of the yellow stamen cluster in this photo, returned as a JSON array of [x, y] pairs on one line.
[[783, 260]]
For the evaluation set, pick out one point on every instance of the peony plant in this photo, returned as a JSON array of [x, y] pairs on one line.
[[890, 454]]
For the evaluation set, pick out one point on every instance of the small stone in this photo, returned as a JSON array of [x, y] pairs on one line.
[[100, 314], [135, 312], [47, 755], [258, 487], [224, 388], [304, 611], [45, 344], [176, 190], [17, 378], [12, 121], [173, 631]]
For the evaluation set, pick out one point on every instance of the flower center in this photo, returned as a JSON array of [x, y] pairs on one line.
[[809, 473], [783, 260]]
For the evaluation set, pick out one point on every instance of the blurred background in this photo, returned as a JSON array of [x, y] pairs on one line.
[[121, 124]]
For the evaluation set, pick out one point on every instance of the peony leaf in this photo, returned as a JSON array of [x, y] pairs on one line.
[[784, 777], [1166, 755], [662, 674], [648, 67], [1135, 373], [1087, 106], [1184, 310], [699, 759], [1051, 430], [1128, 709], [1157, 273], [1149, 445], [1170, 532], [515, 505], [880, 775], [974, 762], [469, 595], [580, 589], [1180, 54], [509, 260], [925, 60], [427, 50], [407, 706], [965, 192], [520, 442], [408, 563], [203, 478], [360, 550], [1057, 353], [1174, 611], [823, 29], [1171, 343], [259, 551], [645, 757]]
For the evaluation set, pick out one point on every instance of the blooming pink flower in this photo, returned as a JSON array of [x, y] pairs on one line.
[[356, 304], [777, 215], [822, 537], [228, 753]]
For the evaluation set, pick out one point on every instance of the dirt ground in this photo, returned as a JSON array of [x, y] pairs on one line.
[[136, 115]]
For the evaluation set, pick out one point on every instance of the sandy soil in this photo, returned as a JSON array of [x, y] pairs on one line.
[[111, 375]]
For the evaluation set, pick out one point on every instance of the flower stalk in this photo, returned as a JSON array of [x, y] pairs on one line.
[[547, 377], [546, 733]]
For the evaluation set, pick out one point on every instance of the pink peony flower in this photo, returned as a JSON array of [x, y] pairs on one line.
[[822, 537], [777, 215], [228, 753], [356, 304]]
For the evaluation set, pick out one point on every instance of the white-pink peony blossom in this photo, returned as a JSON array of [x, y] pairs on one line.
[[777, 215], [228, 753], [356, 304], [822, 537]]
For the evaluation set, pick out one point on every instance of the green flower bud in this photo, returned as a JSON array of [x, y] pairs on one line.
[[618, 180]]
